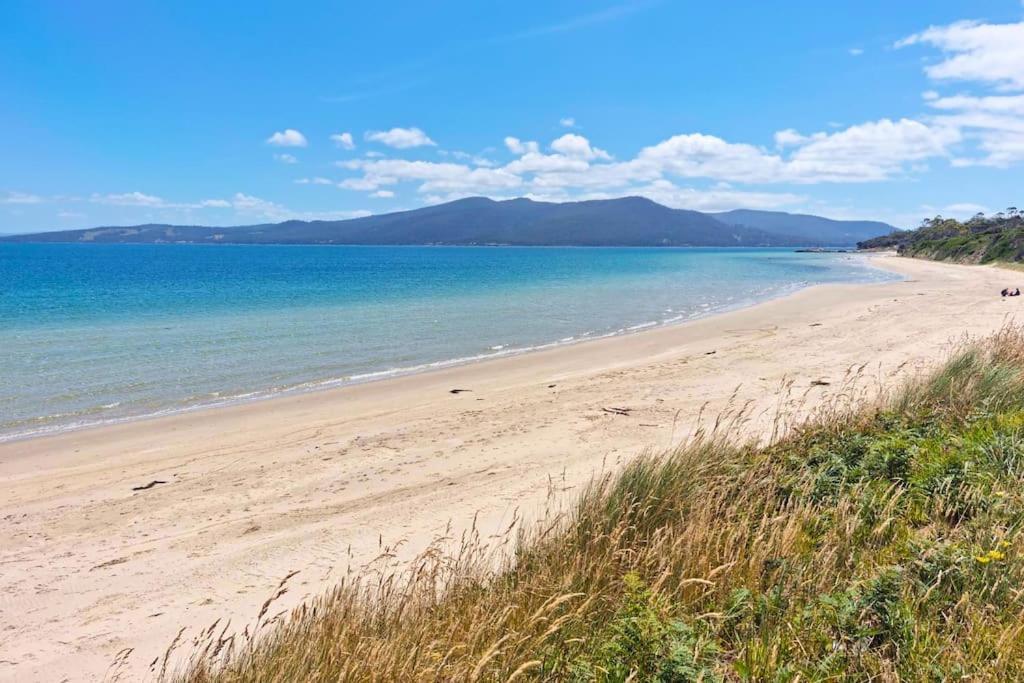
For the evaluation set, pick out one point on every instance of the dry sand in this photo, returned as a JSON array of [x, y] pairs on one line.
[[315, 482]]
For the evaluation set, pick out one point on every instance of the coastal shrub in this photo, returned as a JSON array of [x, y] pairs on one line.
[[981, 239], [876, 544], [642, 641]]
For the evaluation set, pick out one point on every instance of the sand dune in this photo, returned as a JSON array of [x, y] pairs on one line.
[[317, 482]]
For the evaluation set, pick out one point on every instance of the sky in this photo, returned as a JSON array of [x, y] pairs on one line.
[[218, 113]]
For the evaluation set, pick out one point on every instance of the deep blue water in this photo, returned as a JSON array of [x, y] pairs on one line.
[[92, 333]]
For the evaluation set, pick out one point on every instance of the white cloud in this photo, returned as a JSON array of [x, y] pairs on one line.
[[994, 122], [314, 181], [856, 51], [383, 194], [875, 150], [618, 177], [989, 55], [965, 209], [975, 51], [992, 104], [241, 205], [214, 204], [664, 192], [567, 122], [255, 206], [435, 177], [142, 200], [577, 146], [366, 184], [401, 138], [286, 158], [697, 155], [287, 138], [343, 140], [129, 199], [21, 198], [871, 151], [250, 204], [534, 162], [715, 198], [139, 199], [788, 138], [476, 160], [517, 146]]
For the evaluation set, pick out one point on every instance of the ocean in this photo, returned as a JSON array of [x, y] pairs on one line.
[[93, 333]]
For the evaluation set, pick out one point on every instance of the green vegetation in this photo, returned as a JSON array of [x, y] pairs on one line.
[[879, 544], [982, 239]]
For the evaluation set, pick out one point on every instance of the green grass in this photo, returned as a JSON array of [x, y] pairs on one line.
[[877, 544]]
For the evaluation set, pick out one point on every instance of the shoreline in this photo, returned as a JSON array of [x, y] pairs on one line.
[[326, 481], [332, 384]]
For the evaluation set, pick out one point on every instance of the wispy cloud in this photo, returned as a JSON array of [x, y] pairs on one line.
[[407, 72], [578, 22], [21, 198], [975, 51], [988, 56], [244, 207]]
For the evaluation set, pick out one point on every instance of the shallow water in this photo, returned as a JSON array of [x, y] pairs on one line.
[[96, 333]]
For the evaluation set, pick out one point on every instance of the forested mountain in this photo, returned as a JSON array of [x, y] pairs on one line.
[[628, 221]]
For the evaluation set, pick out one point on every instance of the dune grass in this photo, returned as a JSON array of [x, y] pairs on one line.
[[881, 543]]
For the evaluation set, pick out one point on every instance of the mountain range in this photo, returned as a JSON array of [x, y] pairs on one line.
[[627, 221]]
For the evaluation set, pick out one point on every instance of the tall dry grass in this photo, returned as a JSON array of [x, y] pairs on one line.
[[870, 543]]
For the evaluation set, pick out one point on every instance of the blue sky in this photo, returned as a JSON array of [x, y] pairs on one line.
[[201, 112]]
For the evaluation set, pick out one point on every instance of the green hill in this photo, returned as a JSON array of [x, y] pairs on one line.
[[982, 239]]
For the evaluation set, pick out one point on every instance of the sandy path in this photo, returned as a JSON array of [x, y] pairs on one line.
[[311, 483]]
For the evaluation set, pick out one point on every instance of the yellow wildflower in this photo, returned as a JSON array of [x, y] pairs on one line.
[[1004, 544], [996, 555], [983, 559]]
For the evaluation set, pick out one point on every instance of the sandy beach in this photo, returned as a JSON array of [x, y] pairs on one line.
[[315, 483]]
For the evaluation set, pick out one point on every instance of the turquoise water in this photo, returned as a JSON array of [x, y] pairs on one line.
[[96, 333]]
